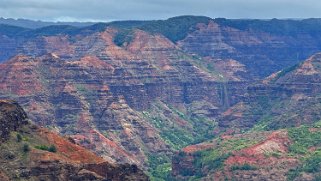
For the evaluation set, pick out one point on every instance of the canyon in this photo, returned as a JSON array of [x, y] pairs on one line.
[[156, 93]]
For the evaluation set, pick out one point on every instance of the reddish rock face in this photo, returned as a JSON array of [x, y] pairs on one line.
[[26, 82], [96, 96], [260, 51], [263, 155], [67, 161], [308, 72], [131, 101], [277, 142], [258, 157], [292, 92]]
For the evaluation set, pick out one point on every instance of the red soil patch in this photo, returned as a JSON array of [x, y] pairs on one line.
[[112, 144], [195, 148], [66, 149], [277, 142]]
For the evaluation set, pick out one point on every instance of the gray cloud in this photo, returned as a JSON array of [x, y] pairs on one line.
[[107, 10]]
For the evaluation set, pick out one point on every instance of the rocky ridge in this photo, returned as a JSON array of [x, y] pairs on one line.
[[287, 99], [24, 156], [99, 96], [136, 92]]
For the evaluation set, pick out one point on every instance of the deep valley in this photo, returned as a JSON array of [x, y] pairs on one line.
[[188, 98]]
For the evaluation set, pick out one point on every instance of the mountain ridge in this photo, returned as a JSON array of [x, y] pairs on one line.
[[138, 92], [26, 156]]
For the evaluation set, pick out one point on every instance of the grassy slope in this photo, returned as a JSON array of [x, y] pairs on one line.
[[305, 147], [178, 129], [16, 151]]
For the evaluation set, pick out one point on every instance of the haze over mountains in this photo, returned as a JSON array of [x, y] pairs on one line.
[[190, 97], [25, 23]]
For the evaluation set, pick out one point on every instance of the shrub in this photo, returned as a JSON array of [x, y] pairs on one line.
[[245, 166], [303, 139], [218, 162], [19, 137], [123, 36], [297, 149], [293, 173], [26, 148], [42, 147], [313, 163], [51, 148]]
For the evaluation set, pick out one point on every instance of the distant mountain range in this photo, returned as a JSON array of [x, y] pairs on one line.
[[25, 23], [187, 98]]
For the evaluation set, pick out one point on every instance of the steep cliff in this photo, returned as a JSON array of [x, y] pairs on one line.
[[263, 47], [267, 151], [136, 92], [287, 98], [32, 153], [94, 91]]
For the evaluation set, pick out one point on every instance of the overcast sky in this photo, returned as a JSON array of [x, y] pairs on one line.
[[109, 10]]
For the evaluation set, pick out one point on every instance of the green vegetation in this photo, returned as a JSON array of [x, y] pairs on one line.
[[313, 163], [213, 159], [177, 129], [278, 113], [175, 28], [245, 166], [54, 30], [26, 148], [262, 107], [160, 167], [173, 136], [310, 164], [303, 139], [195, 129], [123, 36], [51, 148], [286, 71], [11, 30], [19, 137], [317, 124], [14, 153], [274, 26], [15, 31]]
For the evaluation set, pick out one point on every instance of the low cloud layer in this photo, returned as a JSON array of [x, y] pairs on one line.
[[108, 10]]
